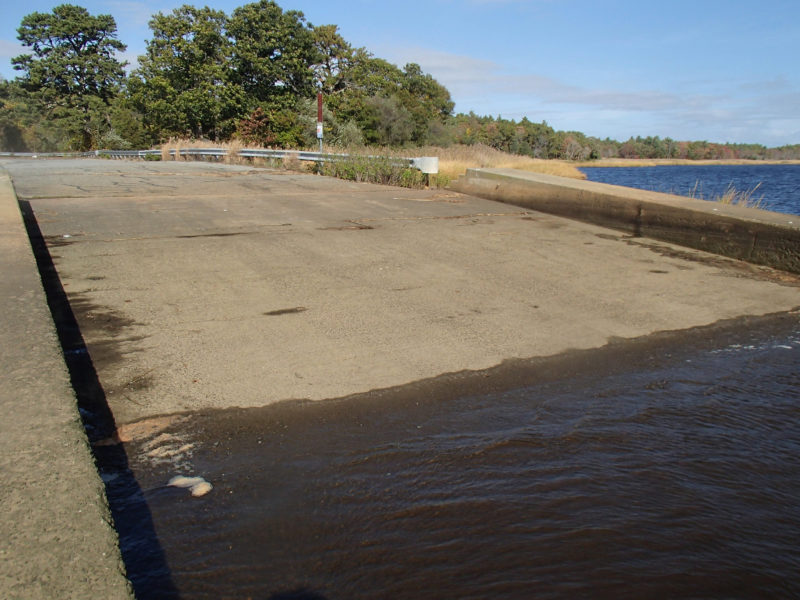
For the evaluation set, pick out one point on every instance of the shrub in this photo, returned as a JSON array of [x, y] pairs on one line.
[[369, 169]]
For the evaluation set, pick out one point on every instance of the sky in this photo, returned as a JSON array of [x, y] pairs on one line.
[[714, 70]]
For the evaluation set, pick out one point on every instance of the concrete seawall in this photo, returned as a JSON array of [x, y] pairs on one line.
[[56, 535], [749, 234]]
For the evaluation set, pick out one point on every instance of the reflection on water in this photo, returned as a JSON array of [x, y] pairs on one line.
[[677, 481]]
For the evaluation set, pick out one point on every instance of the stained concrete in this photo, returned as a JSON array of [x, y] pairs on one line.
[[56, 539], [202, 286], [740, 232]]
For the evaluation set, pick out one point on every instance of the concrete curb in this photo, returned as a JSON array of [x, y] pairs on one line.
[[748, 234], [56, 535]]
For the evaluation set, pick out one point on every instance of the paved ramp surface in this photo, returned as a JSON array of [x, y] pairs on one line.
[[209, 286]]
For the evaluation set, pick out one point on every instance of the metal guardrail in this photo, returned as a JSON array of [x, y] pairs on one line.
[[48, 154], [426, 164], [129, 153]]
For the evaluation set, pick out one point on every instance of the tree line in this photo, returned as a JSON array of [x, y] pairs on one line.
[[253, 76], [540, 140]]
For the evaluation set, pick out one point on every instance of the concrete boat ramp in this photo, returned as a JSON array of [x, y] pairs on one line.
[[201, 286]]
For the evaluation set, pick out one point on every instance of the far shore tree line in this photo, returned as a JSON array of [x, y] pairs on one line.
[[253, 76]]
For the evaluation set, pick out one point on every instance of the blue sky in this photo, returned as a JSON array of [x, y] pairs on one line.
[[692, 70]]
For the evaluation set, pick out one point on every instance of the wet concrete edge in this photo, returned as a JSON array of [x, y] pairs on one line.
[[617, 357]]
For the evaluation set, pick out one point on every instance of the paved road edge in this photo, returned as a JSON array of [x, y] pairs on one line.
[[56, 534]]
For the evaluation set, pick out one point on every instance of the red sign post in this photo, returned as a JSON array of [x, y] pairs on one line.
[[319, 119]]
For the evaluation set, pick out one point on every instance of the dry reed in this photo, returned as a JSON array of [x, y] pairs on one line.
[[732, 196], [232, 157], [455, 160], [741, 197]]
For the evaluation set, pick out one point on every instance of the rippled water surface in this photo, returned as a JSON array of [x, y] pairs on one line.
[[681, 480], [777, 186]]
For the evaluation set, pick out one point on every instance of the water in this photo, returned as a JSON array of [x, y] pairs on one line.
[[675, 474], [778, 184]]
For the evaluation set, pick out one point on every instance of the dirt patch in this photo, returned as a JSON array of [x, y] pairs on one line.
[[286, 311], [215, 235], [350, 227], [608, 236]]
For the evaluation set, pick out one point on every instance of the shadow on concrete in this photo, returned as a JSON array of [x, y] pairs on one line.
[[144, 558]]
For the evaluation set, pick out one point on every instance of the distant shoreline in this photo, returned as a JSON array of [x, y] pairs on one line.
[[658, 162]]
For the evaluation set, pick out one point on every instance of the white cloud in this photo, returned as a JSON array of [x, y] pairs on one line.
[[132, 58], [9, 49], [776, 84], [137, 14], [470, 77], [758, 111]]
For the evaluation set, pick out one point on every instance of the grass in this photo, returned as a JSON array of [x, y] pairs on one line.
[[368, 169], [453, 162], [741, 197], [733, 196]]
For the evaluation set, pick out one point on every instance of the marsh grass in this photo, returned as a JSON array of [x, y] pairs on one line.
[[742, 197], [733, 196], [455, 160]]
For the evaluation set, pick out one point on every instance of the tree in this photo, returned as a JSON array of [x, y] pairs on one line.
[[334, 61], [23, 125], [272, 54], [388, 122], [281, 128], [72, 70], [12, 135], [182, 84], [425, 98], [367, 91], [204, 71]]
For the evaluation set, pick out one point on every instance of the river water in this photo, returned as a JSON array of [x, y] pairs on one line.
[[659, 469], [778, 186]]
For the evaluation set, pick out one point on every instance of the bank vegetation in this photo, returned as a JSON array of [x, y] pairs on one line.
[[251, 77]]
